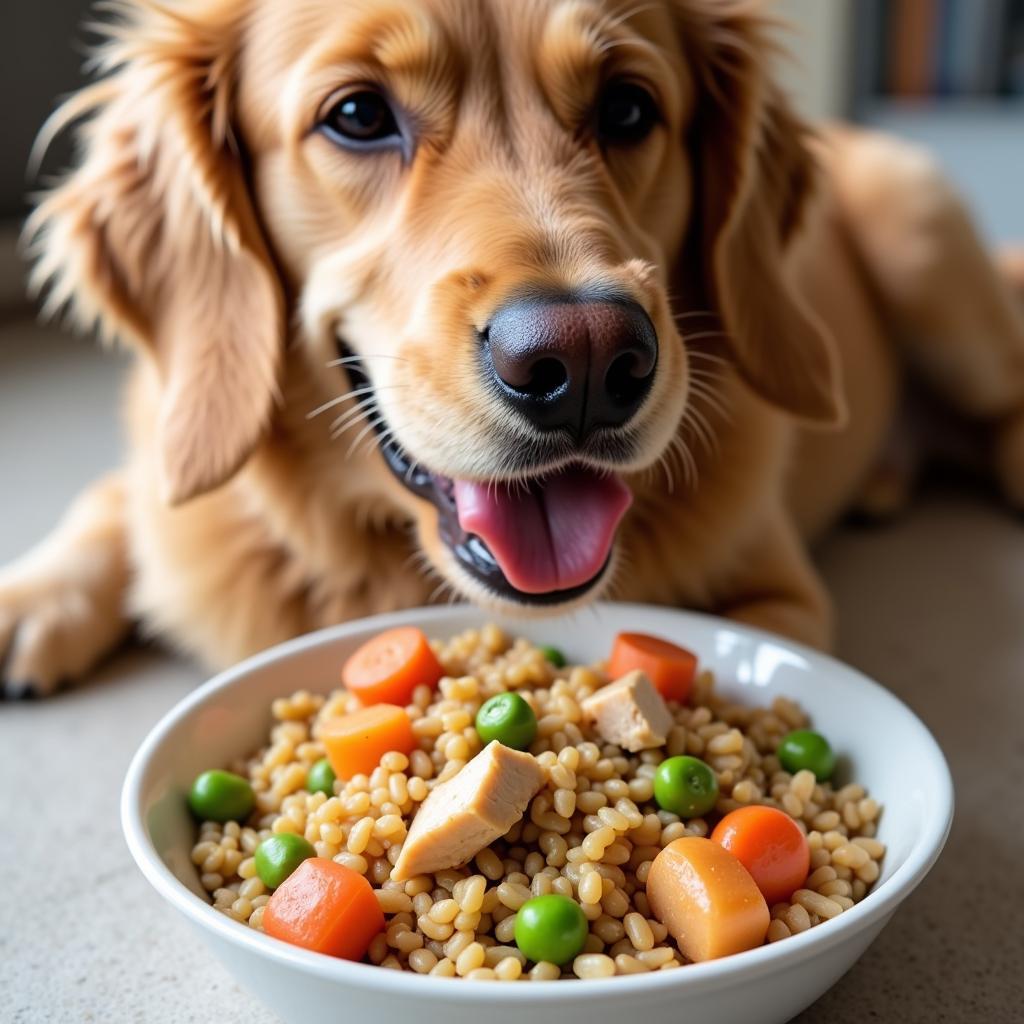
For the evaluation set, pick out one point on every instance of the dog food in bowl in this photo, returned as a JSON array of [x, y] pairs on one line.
[[480, 809]]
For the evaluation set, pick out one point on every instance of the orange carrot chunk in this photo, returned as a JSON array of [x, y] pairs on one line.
[[770, 845], [389, 667], [325, 907], [355, 743], [669, 667], [706, 899]]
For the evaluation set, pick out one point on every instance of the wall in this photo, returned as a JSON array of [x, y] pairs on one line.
[[816, 76], [43, 50]]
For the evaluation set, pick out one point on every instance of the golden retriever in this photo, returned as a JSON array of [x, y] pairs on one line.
[[539, 300]]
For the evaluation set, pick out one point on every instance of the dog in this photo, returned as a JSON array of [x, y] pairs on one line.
[[523, 302]]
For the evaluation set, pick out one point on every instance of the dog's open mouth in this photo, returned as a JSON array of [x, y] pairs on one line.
[[546, 540]]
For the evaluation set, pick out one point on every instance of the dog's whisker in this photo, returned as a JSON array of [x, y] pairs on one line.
[[416, 559], [718, 410], [664, 464], [353, 419], [422, 563], [354, 414], [706, 396], [705, 354], [701, 335], [703, 380], [694, 313], [713, 374], [706, 385], [351, 416], [675, 458], [337, 401], [385, 437], [705, 390], [367, 430], [375, 443], [708, 376], [694, 421], [698, 424], [369, 389], [443, 588], [692, 472], [713, 369], [686, 461], [345, 360]]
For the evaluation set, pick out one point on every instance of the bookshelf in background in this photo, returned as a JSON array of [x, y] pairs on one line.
[[949, 75], [939, 49]]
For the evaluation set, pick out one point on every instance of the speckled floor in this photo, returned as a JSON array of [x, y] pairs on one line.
[[932, 607]]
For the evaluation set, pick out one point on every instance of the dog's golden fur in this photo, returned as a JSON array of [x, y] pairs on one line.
[[791, 277]]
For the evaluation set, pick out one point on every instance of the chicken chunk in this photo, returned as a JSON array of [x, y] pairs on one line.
[[468, 812], [629, 713]]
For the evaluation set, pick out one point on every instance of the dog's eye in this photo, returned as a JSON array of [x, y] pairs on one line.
[[360, 118], [626, 114]]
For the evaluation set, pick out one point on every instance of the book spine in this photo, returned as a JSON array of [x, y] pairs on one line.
[[944, 79], [989, 66], [1013, 63], [913, 34], [870, 28]]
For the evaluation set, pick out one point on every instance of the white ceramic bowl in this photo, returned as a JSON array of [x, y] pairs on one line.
[[882, 745]]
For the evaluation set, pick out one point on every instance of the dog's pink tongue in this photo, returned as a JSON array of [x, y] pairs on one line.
[[553, 536]]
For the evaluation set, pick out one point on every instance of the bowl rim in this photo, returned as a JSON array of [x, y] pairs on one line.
[[875, 908]]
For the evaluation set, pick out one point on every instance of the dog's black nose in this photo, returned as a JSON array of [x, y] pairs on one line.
[[572, 363]]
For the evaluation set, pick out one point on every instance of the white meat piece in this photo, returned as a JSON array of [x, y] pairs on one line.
[[629, 713], [468, 812]]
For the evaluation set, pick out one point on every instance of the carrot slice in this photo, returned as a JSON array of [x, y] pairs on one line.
[[770, 845], [326, 907], [389, 667], [670, 668], [706, 899], [355, 743]]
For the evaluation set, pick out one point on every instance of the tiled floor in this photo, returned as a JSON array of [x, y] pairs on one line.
[[933, 607]]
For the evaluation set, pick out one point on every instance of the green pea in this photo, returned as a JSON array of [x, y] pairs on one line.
[[552, 928], [802, 749], [553, 655], [279, 855], [221, 796], [508, 719], [321, 778], [685, 786]]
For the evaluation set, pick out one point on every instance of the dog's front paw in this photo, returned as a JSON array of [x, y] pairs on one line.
[[52, 629], [62, 606]]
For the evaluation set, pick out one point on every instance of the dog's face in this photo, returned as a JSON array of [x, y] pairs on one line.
[[479, 203], [475, 212]]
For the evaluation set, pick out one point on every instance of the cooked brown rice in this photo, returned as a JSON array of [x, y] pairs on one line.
[[590, 834]]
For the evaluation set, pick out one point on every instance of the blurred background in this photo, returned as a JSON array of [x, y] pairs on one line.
[[948, 73]]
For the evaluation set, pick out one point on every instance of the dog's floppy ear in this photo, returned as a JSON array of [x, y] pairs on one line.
[[753, 175], [153, 237]]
